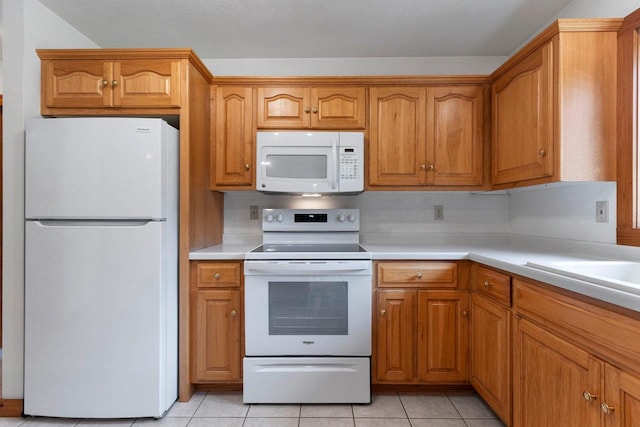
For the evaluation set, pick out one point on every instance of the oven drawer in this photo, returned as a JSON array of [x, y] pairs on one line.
[[306, 380], [400, 274]]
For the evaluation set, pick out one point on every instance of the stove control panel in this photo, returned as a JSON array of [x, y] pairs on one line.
[[311, 220]]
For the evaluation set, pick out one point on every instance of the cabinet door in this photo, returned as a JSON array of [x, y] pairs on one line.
[[397, 137], [443, 332], [455, 135], [490, 354], [550, 378], [522, 130], [234, 141], [76, 83], [146, 83], [283, 108], [217, 336], [621, 402], [338, 108], [395, 336]]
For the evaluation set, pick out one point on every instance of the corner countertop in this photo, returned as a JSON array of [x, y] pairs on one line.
[[511, 256]]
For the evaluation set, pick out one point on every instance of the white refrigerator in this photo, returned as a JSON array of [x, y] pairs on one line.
[[101, 267]]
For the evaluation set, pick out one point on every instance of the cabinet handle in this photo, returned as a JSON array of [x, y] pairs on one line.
[[423, 167], [105, 83], [306, 109], [606, 408], [383, 312], [247, 166], [217, 276], [234, 313], [314, 110], [114, 83], [542, 153], [486, 284], [465, 313], [588, 396], [419, 276], [431, 167]]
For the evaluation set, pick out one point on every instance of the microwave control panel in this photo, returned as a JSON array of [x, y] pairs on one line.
[[349, 158]]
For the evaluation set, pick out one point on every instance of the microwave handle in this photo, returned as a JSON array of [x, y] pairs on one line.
[[336, 166]]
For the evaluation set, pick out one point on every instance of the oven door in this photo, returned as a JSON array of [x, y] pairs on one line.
[[308, 308]]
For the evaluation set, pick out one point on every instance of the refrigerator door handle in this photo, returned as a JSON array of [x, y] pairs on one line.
[[92, 223]]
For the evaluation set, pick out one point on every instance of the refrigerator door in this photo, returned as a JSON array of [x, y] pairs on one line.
[[96, 168], [100, 321]]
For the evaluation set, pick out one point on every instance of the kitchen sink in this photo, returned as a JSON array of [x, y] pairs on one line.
[[622, 275]]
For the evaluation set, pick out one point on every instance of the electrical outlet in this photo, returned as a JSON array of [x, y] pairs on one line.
[[602, 211], [254, 212], [438, 212]]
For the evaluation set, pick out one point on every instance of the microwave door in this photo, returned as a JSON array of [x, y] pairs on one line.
[[308, 169]]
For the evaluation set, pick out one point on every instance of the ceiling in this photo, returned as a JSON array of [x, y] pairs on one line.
[[312, 28]]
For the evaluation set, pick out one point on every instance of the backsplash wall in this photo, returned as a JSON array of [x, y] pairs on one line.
[[405, 214]]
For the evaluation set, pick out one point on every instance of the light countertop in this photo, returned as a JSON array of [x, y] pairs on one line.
[[509, 256]]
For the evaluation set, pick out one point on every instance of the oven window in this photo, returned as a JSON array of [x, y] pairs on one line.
[[296, 166], [308, 308]]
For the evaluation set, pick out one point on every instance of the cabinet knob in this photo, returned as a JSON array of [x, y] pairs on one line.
[[105, 83], [588, 396], [465, 313], [114, 83], [233, 313], [217, 276], [606, 408], [314, 110], [419, 276], [423, 167], [383, 312], [306, 109], [431, 167], [486, 284], [542, 153], [247, 166]]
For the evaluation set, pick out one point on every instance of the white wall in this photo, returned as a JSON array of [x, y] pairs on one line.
[[27, 25], [408, 215]]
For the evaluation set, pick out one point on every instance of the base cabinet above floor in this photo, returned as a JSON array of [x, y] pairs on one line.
[[420, 323], [217, 326]]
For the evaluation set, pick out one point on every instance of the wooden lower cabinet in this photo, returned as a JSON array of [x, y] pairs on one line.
[[421, 335], [622, 398], [217, 326], [490, 353], [550, 377]]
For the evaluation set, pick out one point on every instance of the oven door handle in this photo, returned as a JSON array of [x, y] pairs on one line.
[[324, 268]]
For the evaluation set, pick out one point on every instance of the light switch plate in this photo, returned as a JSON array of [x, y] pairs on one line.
[[602, 211], [438, 212]]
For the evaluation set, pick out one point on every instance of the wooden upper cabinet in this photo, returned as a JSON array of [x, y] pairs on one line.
[[115, 81], [233, 152], [554, 107], [427, 136], [523, 121], [455, 126], [318, 108], [397, 151]]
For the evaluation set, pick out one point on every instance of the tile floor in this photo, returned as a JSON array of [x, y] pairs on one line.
[[463, 409]]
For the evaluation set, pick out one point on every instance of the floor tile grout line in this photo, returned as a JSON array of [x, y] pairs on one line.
[[403, 407]]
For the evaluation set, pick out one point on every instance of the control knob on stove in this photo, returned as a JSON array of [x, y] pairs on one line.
[[268, 218], [341, 218], [352, 218], [279, 217]]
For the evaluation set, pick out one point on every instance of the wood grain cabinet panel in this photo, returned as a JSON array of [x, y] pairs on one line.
[[96, 83], [426, 136], [554, 107], [417, 274], [234, 146], [317, 108], [443, 329]]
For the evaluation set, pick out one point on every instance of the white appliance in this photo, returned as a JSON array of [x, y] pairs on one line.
[[101, 208], [308, 310], [310, 162]]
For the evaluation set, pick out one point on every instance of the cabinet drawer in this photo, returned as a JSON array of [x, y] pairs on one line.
[[417, 275], [493, 284], [218, 275]]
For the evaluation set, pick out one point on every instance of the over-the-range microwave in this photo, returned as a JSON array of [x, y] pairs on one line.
[[311, 163]]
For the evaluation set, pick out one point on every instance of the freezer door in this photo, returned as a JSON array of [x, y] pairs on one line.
[[100, 321], [98, 167]]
